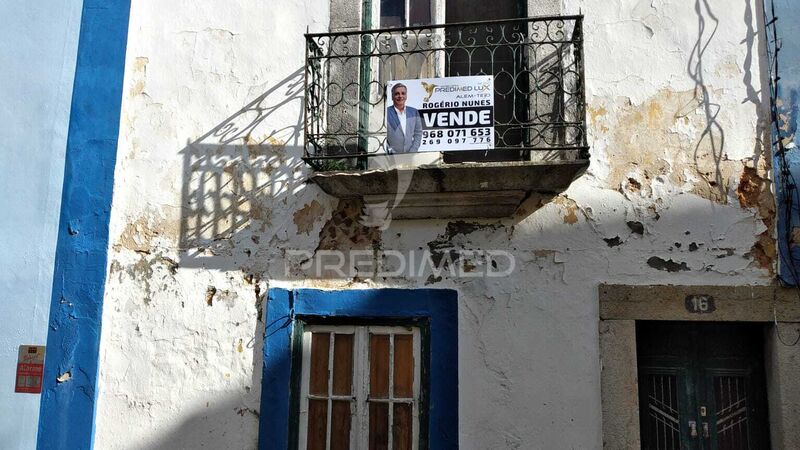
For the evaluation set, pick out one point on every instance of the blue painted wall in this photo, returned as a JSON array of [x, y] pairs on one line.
[[66, 420], [38, 48], [788, 107]]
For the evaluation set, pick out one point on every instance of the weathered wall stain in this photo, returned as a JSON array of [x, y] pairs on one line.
[[764, 252], [211, 291], [142, 271], [139, 73], [636, 227], [661, 140], [151, 274], [569, 208], [344, 231], [666, 264], [754, 191], [665, 141], [457, 235], [137, 236], [307, 216]]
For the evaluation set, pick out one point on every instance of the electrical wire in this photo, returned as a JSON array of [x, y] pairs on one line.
[[788, 191]]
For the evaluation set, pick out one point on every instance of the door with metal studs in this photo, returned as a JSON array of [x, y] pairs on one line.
[[701, 386]]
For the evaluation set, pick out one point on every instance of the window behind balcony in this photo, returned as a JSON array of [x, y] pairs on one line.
[[405, 13], [411, 13], [508, 108]]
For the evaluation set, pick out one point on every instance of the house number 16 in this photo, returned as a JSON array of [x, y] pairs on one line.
[[700, 304]]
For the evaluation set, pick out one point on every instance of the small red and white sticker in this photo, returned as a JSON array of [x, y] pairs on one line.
[[30, 368]]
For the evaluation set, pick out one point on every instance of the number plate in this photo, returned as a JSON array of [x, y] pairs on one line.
[[700, 304]]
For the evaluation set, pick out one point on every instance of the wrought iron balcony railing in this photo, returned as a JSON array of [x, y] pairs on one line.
[[537, 65]]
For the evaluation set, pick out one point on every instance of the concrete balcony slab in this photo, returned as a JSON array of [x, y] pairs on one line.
[[465, 190]]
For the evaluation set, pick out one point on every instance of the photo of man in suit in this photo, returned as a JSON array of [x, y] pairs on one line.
[[403, 123]]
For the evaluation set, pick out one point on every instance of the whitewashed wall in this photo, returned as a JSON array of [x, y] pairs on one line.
[[210, 194]]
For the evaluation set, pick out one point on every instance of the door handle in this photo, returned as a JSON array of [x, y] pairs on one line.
[[693, 428], [705, 430]]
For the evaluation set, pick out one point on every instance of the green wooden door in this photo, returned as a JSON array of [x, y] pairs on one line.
[[701, 386]]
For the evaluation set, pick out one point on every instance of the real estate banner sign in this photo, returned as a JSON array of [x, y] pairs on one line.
[[440, 114]]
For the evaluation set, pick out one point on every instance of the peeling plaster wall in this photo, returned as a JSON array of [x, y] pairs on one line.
[[38, 47], [210, 199]]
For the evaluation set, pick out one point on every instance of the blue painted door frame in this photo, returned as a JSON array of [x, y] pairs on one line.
[[438, 306]]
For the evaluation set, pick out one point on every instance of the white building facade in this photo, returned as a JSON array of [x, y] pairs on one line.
[[624, 243]]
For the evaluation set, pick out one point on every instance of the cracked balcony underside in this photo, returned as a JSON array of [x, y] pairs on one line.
[[468, 190]]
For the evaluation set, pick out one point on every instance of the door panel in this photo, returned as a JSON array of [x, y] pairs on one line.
[[732, 411], [660, 403], [701, 386]]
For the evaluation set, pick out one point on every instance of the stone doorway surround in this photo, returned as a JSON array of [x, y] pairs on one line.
[[622, 305]]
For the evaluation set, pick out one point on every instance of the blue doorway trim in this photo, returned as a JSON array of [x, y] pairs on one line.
[[438, 306], [67, 408]]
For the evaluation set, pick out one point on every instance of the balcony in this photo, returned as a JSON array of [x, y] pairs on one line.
[[539, 115]]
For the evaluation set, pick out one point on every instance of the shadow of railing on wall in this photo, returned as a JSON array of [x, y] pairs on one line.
[[234, 175]]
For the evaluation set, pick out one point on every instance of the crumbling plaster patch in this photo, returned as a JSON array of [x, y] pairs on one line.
[[689, 120], [344, 230], [650, 164], [176, 334], [146, 233], [667, 140]]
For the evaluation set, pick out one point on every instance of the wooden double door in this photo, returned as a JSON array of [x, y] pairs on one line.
[[701, 386]]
